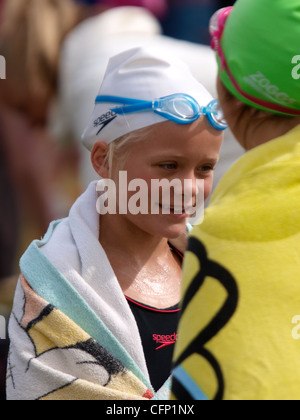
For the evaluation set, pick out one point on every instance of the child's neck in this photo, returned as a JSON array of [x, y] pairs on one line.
[[145, 266], [123, 237]]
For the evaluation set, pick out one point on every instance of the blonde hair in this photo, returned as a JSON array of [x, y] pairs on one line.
[[120, 149], [31, 36]]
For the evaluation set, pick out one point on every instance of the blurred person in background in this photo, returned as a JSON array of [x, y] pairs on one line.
[[37, 162], [189, 19], [34, 170], [9, 217], [30, 37], [9, 235]]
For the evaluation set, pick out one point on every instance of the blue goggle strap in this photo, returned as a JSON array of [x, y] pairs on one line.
[[132, 105], [160, 108]]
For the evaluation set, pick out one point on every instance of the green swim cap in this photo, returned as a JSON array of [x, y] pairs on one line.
[[259, 54]]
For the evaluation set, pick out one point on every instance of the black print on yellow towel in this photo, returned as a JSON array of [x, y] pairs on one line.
[[208, 271]]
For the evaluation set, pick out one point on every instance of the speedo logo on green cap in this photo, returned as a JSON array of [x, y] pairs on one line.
[[264, 86], [296, 69]]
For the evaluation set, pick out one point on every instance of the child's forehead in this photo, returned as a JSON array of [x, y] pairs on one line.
[[169, 133], [167, 140]]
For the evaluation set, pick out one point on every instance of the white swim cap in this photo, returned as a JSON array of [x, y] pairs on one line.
[[145, 75]]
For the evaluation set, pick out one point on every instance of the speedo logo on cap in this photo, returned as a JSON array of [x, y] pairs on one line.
[[104, 120], [262, 84]]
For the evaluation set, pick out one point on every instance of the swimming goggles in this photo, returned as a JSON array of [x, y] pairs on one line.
[[179, 108]]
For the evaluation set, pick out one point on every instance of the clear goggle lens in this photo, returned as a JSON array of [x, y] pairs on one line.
[[178, 108]]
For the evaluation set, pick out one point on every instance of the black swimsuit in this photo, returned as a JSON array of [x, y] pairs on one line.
[[158, 331]]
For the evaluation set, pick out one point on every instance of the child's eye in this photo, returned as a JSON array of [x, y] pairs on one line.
[[206, 168], [168, 166]]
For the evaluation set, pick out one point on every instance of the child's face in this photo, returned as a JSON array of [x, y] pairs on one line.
[[181, 152]]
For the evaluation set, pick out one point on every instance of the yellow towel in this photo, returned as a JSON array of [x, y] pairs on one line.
[[242, 283]]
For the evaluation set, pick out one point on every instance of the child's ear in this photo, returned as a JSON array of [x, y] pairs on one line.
[[99, 159]]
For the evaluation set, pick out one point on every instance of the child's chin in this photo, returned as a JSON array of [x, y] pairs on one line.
[[173, 232]]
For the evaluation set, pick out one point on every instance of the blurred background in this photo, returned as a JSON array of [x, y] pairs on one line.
[[56, 52]]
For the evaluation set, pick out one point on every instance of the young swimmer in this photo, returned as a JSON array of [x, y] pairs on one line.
[[96, 309], [239, 329]]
